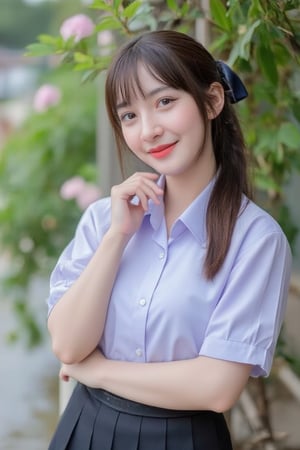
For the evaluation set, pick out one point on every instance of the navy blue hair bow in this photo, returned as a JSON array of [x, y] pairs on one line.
[[231, 82]]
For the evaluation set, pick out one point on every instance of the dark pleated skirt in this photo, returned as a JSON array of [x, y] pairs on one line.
[[98, 420]]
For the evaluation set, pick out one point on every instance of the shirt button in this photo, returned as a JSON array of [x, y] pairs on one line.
[[142, 302], [161, 255], [138, 352]]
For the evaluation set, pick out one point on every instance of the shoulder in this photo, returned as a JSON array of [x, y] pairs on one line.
[[255, 225], [97, 216], [257, 220], [99, 208]]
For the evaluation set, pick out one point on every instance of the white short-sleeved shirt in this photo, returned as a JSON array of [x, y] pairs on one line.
[[162, 307]]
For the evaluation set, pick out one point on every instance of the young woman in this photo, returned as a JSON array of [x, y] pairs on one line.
[[173, 291]]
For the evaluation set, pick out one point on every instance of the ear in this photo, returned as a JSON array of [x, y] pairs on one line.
[[216, 94]]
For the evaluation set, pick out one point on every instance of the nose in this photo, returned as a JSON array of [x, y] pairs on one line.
[[150, 128]]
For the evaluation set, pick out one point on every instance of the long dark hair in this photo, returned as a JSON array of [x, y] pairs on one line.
[[181, 62]]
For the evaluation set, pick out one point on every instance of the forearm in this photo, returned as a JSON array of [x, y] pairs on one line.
[[76, 322], [197, 384]]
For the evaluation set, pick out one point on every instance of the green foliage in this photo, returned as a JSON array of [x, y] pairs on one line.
[[261, 39], [36, 223], [125, 19]]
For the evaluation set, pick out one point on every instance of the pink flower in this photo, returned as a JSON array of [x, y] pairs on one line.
[[45, 97], [79, 26], [84, 193], [88, 195], [72, 188]]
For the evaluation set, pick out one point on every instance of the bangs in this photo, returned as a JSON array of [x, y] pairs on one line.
[[125, 84]]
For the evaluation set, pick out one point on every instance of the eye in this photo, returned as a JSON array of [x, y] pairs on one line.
[[126, 117], [165, 101]]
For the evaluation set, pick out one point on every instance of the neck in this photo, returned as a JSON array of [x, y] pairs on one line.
[[181, 190]]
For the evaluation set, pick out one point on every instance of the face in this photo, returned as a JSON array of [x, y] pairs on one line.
[[164, 128]]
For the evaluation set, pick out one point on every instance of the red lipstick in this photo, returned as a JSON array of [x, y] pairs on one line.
[[162, 150]]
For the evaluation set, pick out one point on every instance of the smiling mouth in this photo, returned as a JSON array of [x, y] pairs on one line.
[[162, 150]]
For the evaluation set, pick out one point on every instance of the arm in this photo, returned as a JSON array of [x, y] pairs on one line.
[[76, 322], [201, 383]]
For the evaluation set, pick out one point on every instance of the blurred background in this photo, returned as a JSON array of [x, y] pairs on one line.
[[57, 156]]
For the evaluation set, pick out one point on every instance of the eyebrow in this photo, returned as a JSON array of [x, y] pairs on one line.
[[147, 95]]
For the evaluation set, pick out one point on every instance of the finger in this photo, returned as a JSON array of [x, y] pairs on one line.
[[148, 193], [139, 184], [153, 190], [141, 180], [143, 199]]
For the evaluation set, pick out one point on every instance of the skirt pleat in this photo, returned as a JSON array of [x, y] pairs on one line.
[[98, 420], [153, 434], [127, 432], [68, 421], [82, 435], [179, 434], [104, 429]]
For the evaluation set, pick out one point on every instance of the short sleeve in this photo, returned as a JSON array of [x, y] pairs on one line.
[[74, 258], [247, 320]]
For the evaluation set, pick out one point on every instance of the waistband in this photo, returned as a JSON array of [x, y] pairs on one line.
[[139, 409]]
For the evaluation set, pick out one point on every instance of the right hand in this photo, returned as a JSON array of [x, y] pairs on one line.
[[127, 217]]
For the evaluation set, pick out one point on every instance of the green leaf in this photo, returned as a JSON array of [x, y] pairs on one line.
[[49, 40], [219, 43], [172, 4], [264, 182], [241, 48], [130, 10], [101, 5], [266, 61], [37, 49], [184, 9], [82, 58], [116, 5], [246, 39], [255, 9], [89, 75], [289, 134], [219, 15], [108, 23]]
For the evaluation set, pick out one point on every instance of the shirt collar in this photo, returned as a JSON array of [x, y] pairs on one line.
[[193, 218]]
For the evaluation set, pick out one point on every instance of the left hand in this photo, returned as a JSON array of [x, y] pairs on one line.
[[86, 372]]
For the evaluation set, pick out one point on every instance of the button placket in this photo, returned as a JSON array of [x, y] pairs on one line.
[[143, 303]]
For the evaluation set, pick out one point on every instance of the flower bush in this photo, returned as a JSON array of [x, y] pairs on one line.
[[36, 222]]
